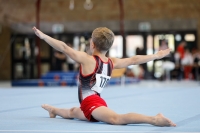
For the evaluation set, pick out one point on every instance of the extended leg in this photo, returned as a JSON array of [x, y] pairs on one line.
[[74, 112], [106, 115]]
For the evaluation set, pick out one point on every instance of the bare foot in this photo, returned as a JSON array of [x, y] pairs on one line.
[[50, 109], [162, 121]]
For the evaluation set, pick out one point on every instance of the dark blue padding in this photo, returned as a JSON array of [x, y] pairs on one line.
[[56, 78]]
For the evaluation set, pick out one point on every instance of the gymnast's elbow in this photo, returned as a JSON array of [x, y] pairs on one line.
[[134, 60], [64, 48]]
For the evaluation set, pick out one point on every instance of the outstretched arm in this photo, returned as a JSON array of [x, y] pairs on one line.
[[138, 59], [61, 46]]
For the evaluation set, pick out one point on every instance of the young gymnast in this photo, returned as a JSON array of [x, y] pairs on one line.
[[95, 72]]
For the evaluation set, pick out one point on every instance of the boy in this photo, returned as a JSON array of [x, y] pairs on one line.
[[95, 71]]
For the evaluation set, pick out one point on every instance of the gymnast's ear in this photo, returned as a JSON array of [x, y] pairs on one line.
[[92, 45]]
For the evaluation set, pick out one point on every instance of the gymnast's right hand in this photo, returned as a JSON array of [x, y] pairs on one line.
[[40, 34]]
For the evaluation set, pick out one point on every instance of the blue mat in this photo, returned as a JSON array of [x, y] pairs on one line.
[[20, 109]]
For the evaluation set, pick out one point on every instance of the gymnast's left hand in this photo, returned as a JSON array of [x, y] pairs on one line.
[[162, 53], [40, 34]]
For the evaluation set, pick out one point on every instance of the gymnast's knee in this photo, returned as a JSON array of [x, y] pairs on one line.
[[114, 120], [72, 112]]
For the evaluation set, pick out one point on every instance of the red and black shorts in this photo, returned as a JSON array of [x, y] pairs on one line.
[[89, 104]]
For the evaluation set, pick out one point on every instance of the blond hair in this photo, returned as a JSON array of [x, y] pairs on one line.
[[102, 38]]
